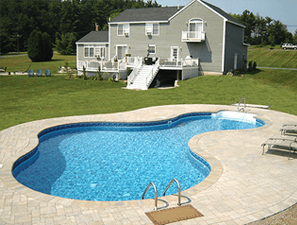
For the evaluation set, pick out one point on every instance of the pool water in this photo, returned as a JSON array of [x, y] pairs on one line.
[[116, 161]]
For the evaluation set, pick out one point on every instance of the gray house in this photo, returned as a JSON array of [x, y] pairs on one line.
[[198, 38]]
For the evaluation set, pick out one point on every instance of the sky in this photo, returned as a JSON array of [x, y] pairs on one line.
[[283, 10]]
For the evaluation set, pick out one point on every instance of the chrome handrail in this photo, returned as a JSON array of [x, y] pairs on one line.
[[156, 194], [243, 109], [179, 190]]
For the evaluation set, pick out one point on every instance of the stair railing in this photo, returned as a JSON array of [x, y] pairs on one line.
[[133, 74], [153, 73]]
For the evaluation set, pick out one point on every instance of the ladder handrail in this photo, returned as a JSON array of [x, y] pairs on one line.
[[179, 190], [243, 105], [156, 194]]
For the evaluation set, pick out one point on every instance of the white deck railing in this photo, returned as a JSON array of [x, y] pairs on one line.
[[194, 36], [111, 66], [179, 63]]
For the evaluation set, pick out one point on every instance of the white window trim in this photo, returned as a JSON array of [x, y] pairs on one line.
[[88, 56], [152, 32], [155, 46], [171, 53], [127, 50], [201, 21], [125, 31], [99, 52]]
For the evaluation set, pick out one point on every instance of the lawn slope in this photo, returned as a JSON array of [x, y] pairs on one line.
[[273, 58], [24, 99]]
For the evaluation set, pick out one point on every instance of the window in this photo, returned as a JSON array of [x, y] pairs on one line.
[[123, 29], [152, 29], [100, 52], [88, 51], [122, 50], [195, 28], [151, 49]]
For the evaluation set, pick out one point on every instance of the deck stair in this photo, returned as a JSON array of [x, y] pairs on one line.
[[142, 76]]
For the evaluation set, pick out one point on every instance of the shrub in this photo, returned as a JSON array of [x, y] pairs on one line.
[[250, 65], [39, 47], [99, 73], [254, 66]]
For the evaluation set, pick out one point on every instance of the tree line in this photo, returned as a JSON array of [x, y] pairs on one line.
[[264, 31], [65, 21]]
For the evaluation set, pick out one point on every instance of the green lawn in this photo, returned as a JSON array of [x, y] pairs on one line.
[[273, 58], [22, 63], [24, 99]]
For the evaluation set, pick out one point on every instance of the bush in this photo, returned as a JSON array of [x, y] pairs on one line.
[[40, 47], [254, 66]]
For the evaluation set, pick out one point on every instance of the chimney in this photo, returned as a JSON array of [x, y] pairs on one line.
[[97, 27]]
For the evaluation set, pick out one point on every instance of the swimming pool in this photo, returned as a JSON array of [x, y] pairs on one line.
[[122, 158]]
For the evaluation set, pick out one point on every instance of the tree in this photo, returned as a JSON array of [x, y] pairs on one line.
[[39, 47], [295, 38], [66, 44]]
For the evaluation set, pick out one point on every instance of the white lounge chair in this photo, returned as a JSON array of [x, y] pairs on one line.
[[290, 128], [289, 142]]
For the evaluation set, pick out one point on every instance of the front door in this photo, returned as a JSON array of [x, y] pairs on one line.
[[174, 53]]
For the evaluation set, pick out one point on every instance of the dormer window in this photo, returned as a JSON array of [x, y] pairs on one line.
[[151, 29], [123, 29]]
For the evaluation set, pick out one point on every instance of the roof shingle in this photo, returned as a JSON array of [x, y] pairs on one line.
[[95, 36], [146, 14]]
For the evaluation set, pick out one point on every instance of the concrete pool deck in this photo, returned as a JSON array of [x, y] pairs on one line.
[[244, 185]]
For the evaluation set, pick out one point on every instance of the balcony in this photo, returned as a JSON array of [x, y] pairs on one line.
[[193, 36]]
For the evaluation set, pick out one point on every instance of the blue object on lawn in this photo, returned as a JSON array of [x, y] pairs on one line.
[[31, 73], [47, 73], [39, 73]]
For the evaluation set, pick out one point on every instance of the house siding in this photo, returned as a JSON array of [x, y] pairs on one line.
[[80, 51], [209, 51], [234, 45]]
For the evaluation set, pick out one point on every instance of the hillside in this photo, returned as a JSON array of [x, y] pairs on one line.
[[273, 58]]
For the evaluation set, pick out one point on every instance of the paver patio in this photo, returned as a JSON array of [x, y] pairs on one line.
[[244, 185]]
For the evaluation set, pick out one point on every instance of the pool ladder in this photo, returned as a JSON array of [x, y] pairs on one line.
[[242, 108], [156, 192]]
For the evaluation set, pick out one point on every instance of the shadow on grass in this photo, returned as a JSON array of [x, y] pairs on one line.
[[253, 72]]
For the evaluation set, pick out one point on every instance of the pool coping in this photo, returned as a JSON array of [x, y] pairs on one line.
[[13, 149]]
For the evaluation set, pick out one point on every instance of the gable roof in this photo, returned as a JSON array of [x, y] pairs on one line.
[[165, 14], [146, 14], [222, 13], [94, 36]]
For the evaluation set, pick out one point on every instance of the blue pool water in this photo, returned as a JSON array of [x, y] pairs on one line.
[[116, 161]]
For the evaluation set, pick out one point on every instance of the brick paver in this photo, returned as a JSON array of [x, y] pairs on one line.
[[244, 185]]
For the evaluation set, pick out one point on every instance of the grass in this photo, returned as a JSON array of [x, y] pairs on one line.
[[273, 58], [22, 63], [24, 99]]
